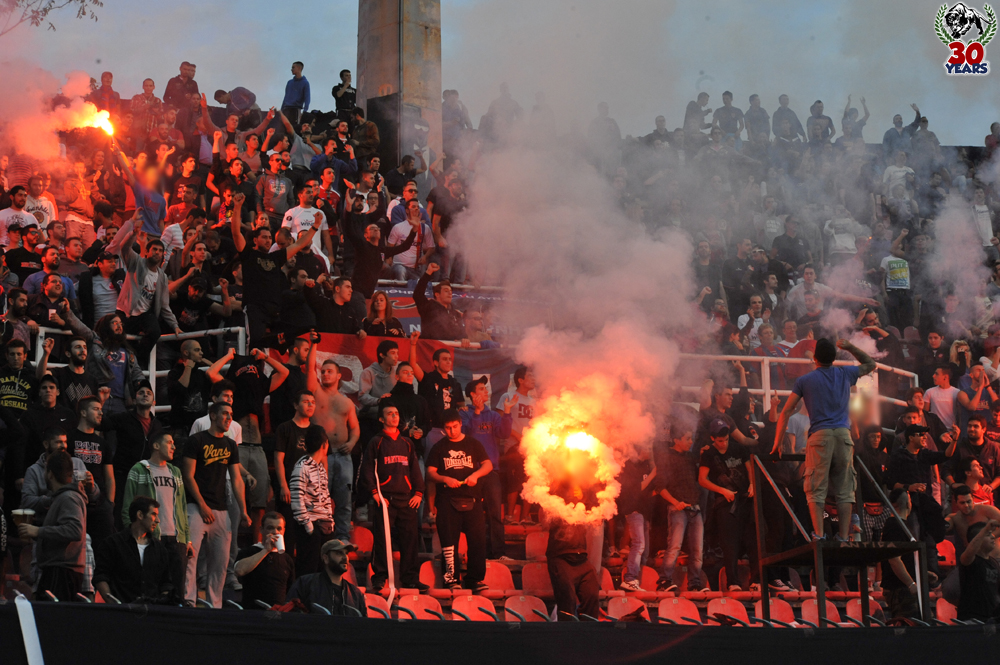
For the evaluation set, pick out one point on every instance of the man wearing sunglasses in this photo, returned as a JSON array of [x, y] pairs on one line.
[[24, 260]]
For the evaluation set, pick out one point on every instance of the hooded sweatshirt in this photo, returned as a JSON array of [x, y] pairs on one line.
[[62, 539], [375, 382], [396, 463]]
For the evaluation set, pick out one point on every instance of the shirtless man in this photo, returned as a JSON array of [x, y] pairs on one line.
[[336, 414], [968, 512]]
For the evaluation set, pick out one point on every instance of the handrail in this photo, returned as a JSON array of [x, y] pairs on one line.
[[774, 486]]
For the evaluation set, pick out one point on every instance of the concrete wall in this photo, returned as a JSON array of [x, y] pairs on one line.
[[399, 50]]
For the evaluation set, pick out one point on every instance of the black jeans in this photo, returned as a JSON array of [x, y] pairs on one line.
[[737, 533], [147, 326], [493, 503], [307, 548], [403, 528], [64, 583], [178, 563], [574, 583], [451, 524], [259, 318]]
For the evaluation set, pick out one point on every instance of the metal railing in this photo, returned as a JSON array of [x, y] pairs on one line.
[[151, 374], [765, 374]]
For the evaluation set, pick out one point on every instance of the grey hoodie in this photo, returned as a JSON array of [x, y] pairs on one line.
[[375, 382], [35, 492], [62, 539]]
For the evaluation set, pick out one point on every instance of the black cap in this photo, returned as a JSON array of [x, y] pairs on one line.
[[139, 385], [105, 256], [718, 427], [470, 387], [912, 430]]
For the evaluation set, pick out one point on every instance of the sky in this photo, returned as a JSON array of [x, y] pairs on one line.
[[644, 57]]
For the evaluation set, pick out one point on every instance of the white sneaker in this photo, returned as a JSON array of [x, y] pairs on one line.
[[735, 587], [632, 585], [778, 586]]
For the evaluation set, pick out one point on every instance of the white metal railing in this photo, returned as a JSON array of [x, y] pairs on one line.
[[765, 374], [151, 374]]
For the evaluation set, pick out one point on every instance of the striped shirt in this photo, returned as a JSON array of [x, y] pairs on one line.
[[311, 503]]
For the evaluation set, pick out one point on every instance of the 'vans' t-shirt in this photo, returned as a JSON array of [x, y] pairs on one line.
[[212, 456]]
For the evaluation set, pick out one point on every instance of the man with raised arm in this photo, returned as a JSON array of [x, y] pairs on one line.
[[335, 413], [829, 465], [263, 281]]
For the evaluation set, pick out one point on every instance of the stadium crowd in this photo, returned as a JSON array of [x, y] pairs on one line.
[[283, 221]]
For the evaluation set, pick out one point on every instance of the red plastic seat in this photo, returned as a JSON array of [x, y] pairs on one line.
[[535, 544], [476, 608], [424, 607], [728, 607], [679, 610], [608, 589], [945, 611], [623, 605], [372, 602], [364, 541], [946, 554], [810, 611], [525, 606], [854, 609], [535, 581], [780, 610], [647, 581], [500, 581], [430, 574]]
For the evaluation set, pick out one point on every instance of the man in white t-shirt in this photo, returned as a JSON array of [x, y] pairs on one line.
[[15, 214], [303, 217], [940, 400], [749, 327], [410, 264], [38, 203], [896, 174], [512, 462], [789, 335], [982, 217]]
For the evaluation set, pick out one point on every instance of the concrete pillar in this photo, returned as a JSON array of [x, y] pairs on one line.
[[399, 75]]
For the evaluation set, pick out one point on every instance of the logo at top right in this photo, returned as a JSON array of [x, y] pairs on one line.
[[951, 25]]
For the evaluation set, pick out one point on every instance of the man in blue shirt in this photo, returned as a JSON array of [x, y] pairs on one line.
[[489, 428], [829, 465], [296, 94]]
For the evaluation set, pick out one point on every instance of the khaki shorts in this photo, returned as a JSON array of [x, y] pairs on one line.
[[829, 466], [253, 459]]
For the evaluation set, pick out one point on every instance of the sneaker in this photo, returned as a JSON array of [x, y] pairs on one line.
[[631, 585], [815, 536], [779, 586], [665, 585], [506, 559], [419, 586], [453, 585], [754, 588], [377, 588], [735, 587], [480, 587], [705, 589]]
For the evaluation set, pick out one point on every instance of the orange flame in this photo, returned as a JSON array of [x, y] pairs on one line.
[[101, 120], [559, 452]]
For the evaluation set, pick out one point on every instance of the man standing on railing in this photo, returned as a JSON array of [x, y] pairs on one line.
[[829, 465]]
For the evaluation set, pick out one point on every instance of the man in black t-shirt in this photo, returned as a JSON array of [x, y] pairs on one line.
[[289, 448], [457, 463], [187, 388], [725, 469], [74, 381], [17, 380], [441, 391], [263, 281], [208, 456], [86, 444], [266, 569], [979, 574]]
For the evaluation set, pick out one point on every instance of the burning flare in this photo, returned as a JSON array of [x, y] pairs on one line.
[[570, 473], [101, 120]]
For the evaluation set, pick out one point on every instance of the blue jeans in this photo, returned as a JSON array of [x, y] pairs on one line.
[[638, 531], [341, 479], [687, 528]]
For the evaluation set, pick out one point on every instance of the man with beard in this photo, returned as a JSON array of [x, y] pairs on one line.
[[42, 415], [116, 569], [130, 434], [73, 380], [16, 324], [368, 252], [50, 265], [329, 587]]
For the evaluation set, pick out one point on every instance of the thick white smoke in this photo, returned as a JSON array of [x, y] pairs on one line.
[[613, 300]]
